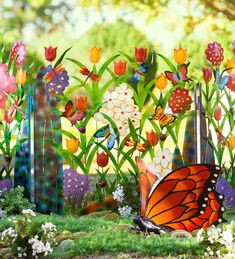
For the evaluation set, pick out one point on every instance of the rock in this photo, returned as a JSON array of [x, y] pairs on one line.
[[63, 235], [66, 244], [127, 227], [180, 233], [4, 251], [9, 256]]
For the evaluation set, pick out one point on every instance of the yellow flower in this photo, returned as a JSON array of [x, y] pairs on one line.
[[72, 145], [161, 82], [231, 141], [21, 76], [180, 55], [230, 63], [95, 54]]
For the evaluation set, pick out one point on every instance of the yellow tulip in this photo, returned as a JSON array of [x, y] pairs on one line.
[[230, 63], [180, 55], [72, 145], [95, 54], [161, 82], [231, 141], [21, 76]]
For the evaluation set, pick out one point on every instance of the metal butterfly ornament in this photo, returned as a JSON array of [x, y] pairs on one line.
[[106, 133]]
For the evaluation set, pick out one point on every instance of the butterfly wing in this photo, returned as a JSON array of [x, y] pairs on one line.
[[147, 180], [77, 116], [111, 141], [85, 71], [103, 132], [166, 120], [159, 112], [129, 142], [182, 73], [181, 195], [223, 82], [143, 68], [172, 77], [69, 110], [135, 78]]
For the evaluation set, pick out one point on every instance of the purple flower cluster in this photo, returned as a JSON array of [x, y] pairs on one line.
[[223, 187], [6, 184], [75, 185]]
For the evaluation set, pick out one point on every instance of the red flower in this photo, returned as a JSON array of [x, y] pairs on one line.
[[81, 103], [214, 53], [140, 54], [119, 67], [102, 184], [50, 53], [102, 159], [233, 44], [218, 114], [18, 50], [207, 74], [152, 138], [231, 82], [179, 99]]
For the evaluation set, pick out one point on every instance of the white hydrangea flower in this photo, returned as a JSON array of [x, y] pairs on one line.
[[29, 212], [9, 233], [227, 236], [118, 194], [199, 234], [124, 93], [112, 99], [125, 211]]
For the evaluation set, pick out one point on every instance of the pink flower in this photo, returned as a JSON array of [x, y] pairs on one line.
[[10, 114], [7, 85], [19, 50]]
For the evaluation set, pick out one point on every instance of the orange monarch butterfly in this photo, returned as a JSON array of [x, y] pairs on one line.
[[131, 143], [185, 199], [160, 115], [181, 75]]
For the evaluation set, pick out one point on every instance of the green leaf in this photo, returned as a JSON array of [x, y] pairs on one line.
[[168, 62], [61, 57], [106, 64]]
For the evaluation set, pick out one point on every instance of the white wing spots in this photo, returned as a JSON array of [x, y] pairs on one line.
[[206, 198], [209, 189], [219, 220], [204, 205], [218, 168], [215, 175], [202, 211], [222, 209], [221, 196], [213, 181]]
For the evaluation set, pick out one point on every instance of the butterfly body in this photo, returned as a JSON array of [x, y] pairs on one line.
[[163, 119], [136, 145], [139, 73], [105, 133], [185, 199], [72, 114], [181, 75]]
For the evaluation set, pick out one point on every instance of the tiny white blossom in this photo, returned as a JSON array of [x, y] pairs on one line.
[[125, 211], [118, 194], [28, 212]]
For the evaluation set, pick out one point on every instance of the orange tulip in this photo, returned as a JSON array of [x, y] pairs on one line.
[[231, 141], [81, 103], [180, 55], [21, 76], [95, 54], [218, 114], [119, 67], [152, 138], [72, 145], [161, 82], [230, 64]]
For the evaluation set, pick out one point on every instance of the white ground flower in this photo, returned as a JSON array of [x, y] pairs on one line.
[[9, 233], [122, 129], [112, 99], [28, 212], [227, 236], [118, 194], [124, 93], [199, 234], [163, 157], [136, 115], [125, 211], [213, 234], [123, 112], [2, 213]]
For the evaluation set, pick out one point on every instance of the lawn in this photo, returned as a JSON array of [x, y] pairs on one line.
[[108, 235]]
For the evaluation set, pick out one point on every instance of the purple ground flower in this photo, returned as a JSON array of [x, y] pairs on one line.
[[75, 185], [223, 187], [6, 184]]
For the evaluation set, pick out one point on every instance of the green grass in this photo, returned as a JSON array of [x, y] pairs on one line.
[[104, 236]]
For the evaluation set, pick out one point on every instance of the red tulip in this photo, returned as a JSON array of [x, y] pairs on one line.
[[50, 53], [152, 138], [119, 67], [140, 54], [218, 114], [207, 74], [102, 159]]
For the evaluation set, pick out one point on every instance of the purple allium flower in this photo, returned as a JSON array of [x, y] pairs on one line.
[[6, 184], [75, 185], [223, 187], [59, 81]]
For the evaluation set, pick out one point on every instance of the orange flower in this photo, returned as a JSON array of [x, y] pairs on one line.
[[21, 76], [152, 138], [72, 145], [140, 54], [180, 55], [81, 103], [231, 141], [102, 159], [230, 64], [217, 114], [119, 67], [161, 82], [95, 54]]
